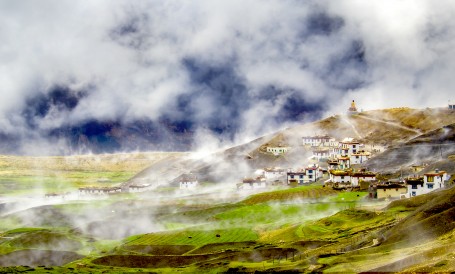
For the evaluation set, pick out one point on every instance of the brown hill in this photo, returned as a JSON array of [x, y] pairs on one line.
[[434, 216], [389, 127]]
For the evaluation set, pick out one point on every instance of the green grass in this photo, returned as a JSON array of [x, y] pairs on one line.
[[302, 192], [195, 238], [344, 223], [348, 197]]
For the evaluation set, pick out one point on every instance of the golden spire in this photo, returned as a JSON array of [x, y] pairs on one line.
[[353, 108]]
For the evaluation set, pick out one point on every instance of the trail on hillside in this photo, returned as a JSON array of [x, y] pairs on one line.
[[346, 119], [417, 132]]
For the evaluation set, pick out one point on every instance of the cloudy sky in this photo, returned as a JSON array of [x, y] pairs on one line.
[[233, 68]]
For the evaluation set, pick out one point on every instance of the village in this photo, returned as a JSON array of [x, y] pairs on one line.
[[338, 165]]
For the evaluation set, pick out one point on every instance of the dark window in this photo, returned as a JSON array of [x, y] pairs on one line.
[[413, 193], [430, 186], [414, 186]]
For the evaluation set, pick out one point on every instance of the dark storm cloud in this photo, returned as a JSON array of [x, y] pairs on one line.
[[234, 69]]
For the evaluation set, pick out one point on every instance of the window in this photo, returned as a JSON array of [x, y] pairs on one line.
[[342, 177], [310, 176], [430, 186], [414, 186], [301, 181], [301, 176], [430, 179], [291, 176], [413, 193], [310, 171]]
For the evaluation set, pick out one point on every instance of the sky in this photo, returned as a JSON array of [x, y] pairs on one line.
[[228, 70]]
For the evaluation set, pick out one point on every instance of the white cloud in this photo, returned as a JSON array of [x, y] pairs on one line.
[[131, 53]]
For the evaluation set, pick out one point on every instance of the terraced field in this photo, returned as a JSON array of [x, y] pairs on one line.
[[303, 192], [194, 238]]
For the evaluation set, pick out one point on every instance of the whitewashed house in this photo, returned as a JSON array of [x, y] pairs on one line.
[[360, 176], [309, 174], [340, 163], [359, 157], [350, 146], [313, 173], [188, 181], [296, 177], [435, 180], [321, 154], [274, 173], [277, 150], [430, 182], [340, 176], [315, 141]]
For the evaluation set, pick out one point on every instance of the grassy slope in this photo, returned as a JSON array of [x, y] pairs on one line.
[[341, 235]]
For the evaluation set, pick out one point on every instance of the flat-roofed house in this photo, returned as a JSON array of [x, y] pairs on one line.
[[340, 176], [360, 157], [391, 191], [350, 146], [362, 176], [415, 186], [274, 173], [188, 181], [277, 150], [315, 141]]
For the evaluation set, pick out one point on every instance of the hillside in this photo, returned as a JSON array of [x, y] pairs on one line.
[[398, 129]]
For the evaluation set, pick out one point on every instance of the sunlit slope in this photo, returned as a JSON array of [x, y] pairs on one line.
[[387, 127]]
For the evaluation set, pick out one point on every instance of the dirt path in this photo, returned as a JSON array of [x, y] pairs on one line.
[[417, 132], [346, 119]]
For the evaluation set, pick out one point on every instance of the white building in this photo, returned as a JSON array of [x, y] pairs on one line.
[[340, 176], [364, 176], [359, 157], [313, 173], [188, 181], [309, 174], [315, 141], [274, 173], [350, 146], [430, 182], [277, 150], [297, 177], [340, 163], [321, 154]]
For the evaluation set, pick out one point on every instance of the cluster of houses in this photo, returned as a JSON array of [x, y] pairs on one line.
[[410, 187], [342, 158], [327, 148], [279, 176]]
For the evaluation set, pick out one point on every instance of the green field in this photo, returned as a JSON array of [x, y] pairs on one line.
[[195, 238], [60, 174]]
